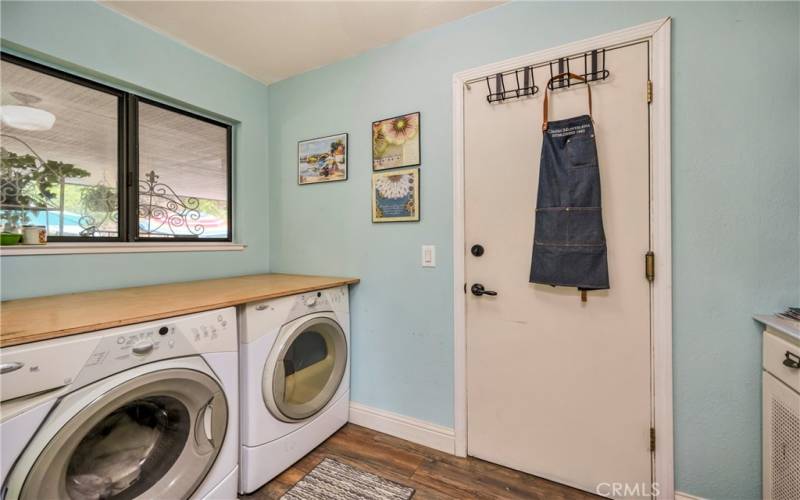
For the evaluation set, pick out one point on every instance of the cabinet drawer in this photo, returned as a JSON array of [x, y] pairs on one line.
[[778, 353]]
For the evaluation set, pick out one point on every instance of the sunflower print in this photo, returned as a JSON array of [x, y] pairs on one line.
[[392, 187]]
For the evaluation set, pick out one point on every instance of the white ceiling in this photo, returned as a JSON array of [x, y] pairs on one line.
[[273, 40]]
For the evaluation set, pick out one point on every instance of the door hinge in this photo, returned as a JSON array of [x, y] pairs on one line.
[[649, 91], [652, 439], [650, 266]]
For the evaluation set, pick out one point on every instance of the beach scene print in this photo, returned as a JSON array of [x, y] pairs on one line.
[[395, 142], [322, 160]]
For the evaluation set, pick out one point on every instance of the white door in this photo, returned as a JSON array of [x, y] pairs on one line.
[[557, 387]]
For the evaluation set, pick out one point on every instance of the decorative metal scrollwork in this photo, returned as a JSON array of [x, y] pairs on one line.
[[161, 211], [31, 184], [162, 208], [99, 206]]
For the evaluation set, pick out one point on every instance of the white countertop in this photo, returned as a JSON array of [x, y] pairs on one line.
[[786, 326]]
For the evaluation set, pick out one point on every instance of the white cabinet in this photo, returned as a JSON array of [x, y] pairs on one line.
[[781, 416], [781, 440]]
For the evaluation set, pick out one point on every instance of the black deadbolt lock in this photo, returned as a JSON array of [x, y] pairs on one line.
[[477, 250]]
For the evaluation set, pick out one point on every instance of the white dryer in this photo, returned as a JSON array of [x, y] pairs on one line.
[[295, 378], [148, 411]]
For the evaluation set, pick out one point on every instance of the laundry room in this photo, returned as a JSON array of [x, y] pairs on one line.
[[399, 249]]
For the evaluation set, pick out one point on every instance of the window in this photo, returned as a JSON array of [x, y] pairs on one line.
[[59, 141], [183, 175], [93, 163]]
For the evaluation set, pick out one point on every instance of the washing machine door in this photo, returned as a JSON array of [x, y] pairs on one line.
[[153, 436], [304, 368]]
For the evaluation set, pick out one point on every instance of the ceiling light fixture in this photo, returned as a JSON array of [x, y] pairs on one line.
[[26, 117]]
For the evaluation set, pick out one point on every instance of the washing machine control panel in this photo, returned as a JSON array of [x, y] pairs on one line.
[[141, 343], [84, 358], [209, 331], [128, 347], [198, 333]]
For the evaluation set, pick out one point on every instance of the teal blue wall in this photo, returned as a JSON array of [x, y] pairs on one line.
[[736, 182], [92, 40]]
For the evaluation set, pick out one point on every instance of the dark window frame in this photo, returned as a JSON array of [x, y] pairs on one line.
[[121, 153], [128, 158], [133, 176]]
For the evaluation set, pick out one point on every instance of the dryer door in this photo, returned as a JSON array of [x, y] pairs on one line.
[[305, 368], [153, 436]]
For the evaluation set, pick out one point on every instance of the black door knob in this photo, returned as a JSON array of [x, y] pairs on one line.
[[476, 250], [478, 290]]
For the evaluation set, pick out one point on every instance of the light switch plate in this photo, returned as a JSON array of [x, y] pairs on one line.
[[428, 256]]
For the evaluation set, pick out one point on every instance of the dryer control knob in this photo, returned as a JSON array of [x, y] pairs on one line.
[[311, 301]]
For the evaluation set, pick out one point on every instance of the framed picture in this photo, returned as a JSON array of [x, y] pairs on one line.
[[395, 196], [395, 142], [322, 160]]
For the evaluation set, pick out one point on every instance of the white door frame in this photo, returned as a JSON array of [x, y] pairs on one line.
[[658, 32]]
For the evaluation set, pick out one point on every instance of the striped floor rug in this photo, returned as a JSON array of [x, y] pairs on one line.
[[332, 480]]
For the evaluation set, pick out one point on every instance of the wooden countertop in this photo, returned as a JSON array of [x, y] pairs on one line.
[[43, 318]]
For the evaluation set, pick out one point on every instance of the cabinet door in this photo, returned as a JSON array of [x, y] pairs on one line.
[[781, 440]]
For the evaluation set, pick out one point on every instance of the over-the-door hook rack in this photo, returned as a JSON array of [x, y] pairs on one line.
[[594, 68], [527, 88]]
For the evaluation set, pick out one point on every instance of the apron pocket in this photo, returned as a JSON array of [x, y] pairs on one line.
[[569, 226], [584, 186], [582, 150], [552, 226], [585, 226], [582, 267]]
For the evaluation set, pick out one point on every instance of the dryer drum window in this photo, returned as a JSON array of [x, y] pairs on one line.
[[154, 436], [308, 370]]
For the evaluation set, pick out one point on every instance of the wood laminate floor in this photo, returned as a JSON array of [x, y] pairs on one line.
[[433, 474]]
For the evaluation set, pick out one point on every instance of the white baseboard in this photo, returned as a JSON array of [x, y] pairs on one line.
[[679, 495], [408, 428]]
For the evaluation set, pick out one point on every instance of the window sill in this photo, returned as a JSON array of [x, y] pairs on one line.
[[141, 247]]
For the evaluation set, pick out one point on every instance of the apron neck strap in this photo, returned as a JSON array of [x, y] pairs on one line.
[[561, 75]]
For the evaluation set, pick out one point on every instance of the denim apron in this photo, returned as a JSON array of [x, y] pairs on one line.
[[569, 244]]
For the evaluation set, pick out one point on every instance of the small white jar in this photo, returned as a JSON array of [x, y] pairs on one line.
[[34, 235]]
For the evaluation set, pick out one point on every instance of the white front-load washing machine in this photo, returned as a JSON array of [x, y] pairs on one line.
[[295, 379], [142, 411]]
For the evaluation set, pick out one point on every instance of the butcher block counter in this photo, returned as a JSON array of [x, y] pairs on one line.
[[43, 318]]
